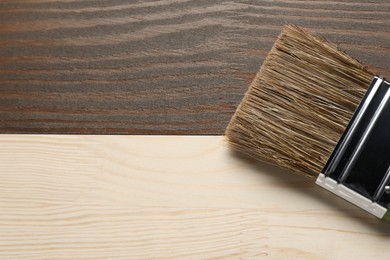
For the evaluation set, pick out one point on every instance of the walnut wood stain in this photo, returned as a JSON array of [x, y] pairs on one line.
[[156, 67]]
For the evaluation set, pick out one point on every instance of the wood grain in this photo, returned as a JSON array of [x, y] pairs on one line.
[[164, 197], [149, 67]]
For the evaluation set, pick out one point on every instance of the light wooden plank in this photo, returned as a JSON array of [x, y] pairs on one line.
[[155, 197]]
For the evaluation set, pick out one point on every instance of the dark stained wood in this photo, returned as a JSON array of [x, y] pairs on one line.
[[156, 67]]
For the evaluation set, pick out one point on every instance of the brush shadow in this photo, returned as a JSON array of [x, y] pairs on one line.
[[381, 227]]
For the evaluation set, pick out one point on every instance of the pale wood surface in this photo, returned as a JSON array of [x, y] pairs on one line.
[[156, 197]]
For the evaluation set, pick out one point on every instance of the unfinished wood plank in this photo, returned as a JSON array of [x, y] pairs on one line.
[[156, 67], [156, 197]]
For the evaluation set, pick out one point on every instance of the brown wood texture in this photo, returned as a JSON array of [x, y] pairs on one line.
[[156, 67]]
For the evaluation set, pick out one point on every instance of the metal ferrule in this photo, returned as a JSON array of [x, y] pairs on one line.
[[358, 169]]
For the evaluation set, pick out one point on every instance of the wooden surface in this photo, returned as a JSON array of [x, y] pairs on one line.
[[165, 66], [154, 197]]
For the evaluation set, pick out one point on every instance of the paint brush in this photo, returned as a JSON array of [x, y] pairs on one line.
[[316, 111]]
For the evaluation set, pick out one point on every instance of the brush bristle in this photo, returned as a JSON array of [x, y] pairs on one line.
[[299, 103]]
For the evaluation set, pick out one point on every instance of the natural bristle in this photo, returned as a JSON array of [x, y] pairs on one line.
[[299, 103]]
